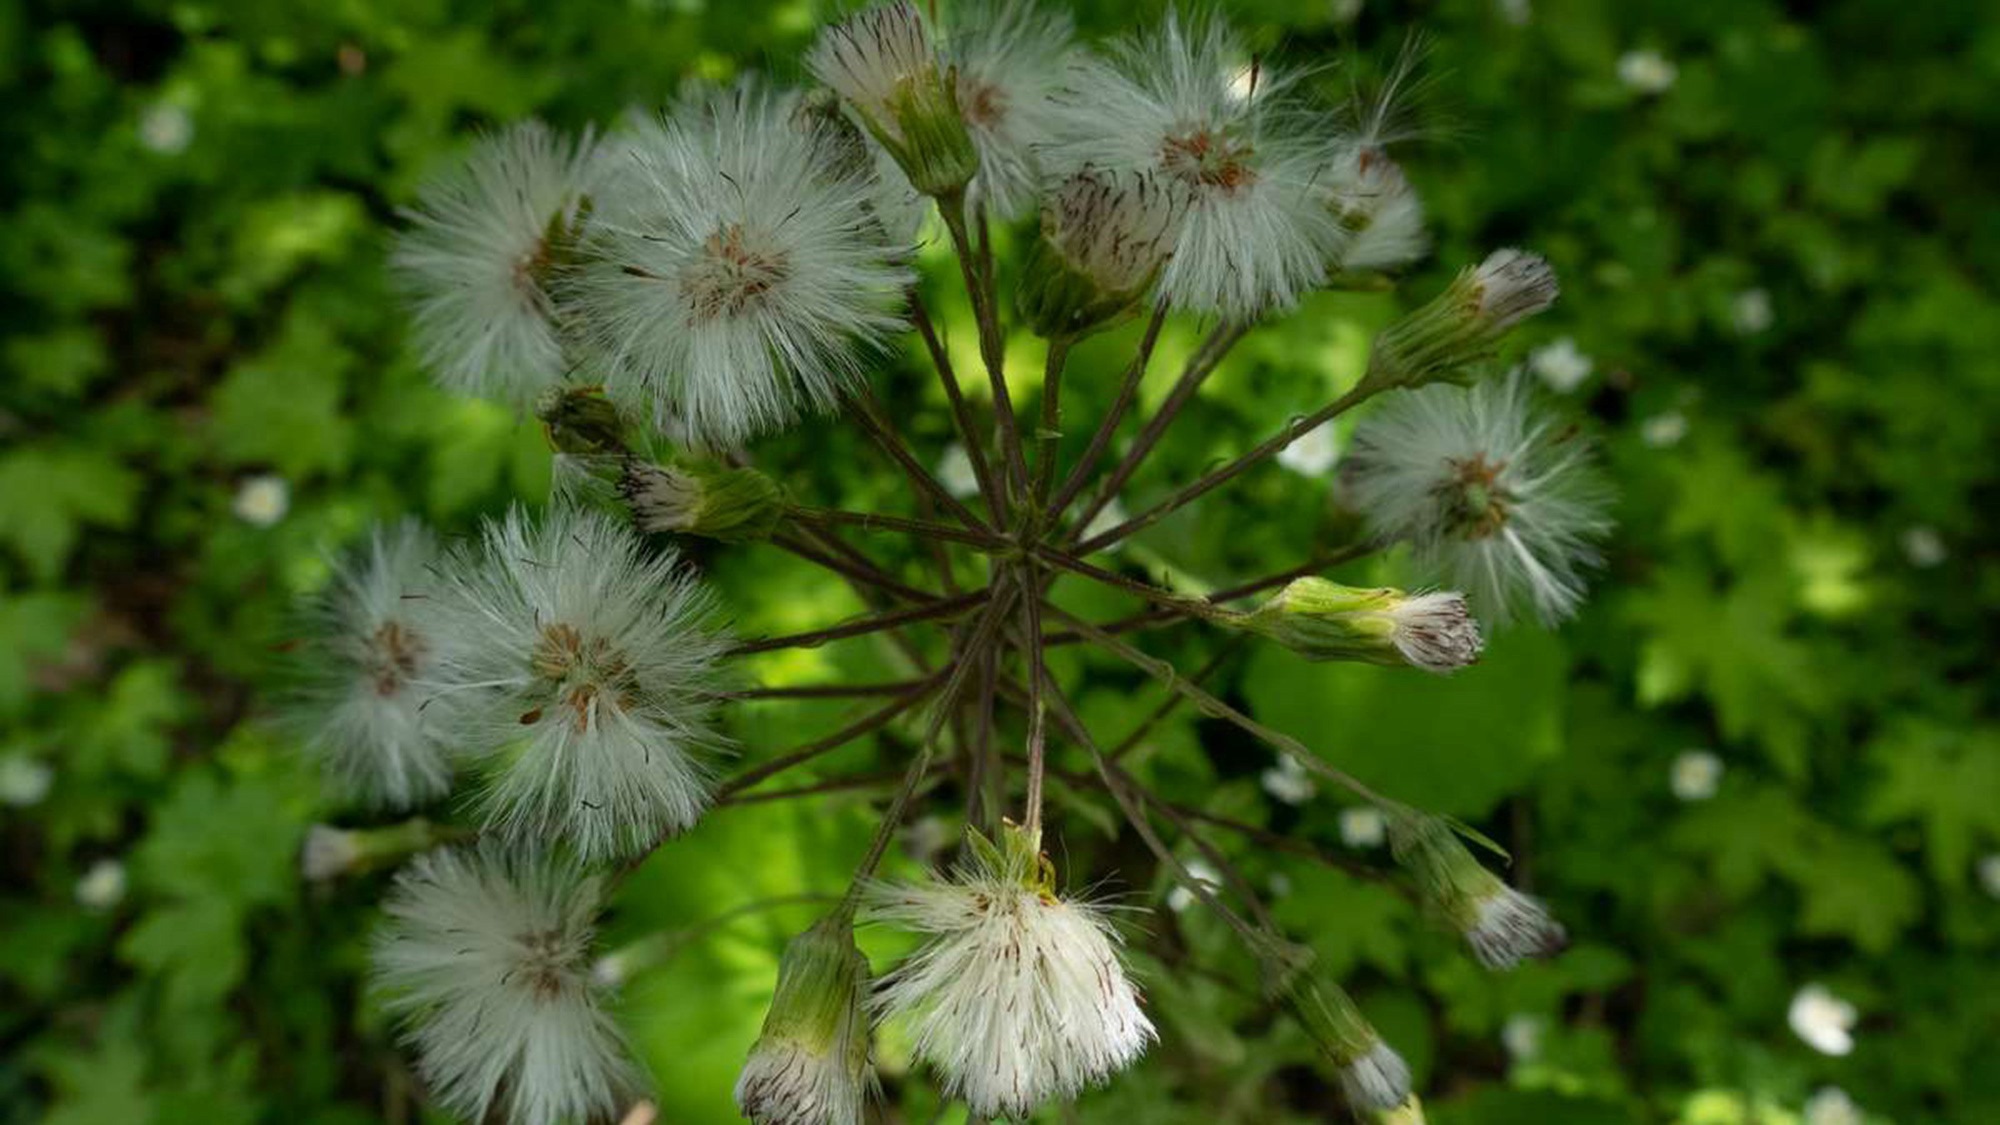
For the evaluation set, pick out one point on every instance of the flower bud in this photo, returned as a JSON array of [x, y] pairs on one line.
[[582, 421], [1324, 620], [1464, 323], [1105, 236], [882, 62], [730, 505], [1373, 1077], [330, 852], [1502, 926], [810, 1064]]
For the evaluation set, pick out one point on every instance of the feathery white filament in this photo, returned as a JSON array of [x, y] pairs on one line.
[[1017, 997], [485, 956], [362, 703], [738, 273], [785, 1083], [1435, 631], [580, 666], [1492, 497], [1378, 1079], [870, 58], [1509, 928], [1256, 234], [479, 266], [1381, 212], [1012, 58]]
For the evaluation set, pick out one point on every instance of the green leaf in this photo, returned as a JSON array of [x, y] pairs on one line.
[[1949, 781], [50, 493]]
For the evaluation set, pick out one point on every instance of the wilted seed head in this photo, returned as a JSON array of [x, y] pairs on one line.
[[1105, 237], [1502, 926], [881, 60], [582, 421], [1324, 620], [1463, 324], [730, 505], [810, 1065]]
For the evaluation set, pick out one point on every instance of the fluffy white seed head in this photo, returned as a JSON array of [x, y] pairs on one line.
[[1010, 59], [1019, 995], [1379, 210], [738, 275], [1116, 228], [362, 706], [1494, 498], [479, 260], [1376, 1080], [1256, 233], [874, 57], [581, 666], [1509, 927], [485, 957], [328, 852]]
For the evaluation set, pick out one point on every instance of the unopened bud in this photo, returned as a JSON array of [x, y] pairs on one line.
[[1502, 926], [1465, 322], [730, 505], [810, 1065], [1104, 238], [881, 60], [1324, 620], [330, 852], [582, 422], [1373, 1077]]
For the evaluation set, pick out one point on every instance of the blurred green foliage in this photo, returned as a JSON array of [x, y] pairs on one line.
[[196, 196]]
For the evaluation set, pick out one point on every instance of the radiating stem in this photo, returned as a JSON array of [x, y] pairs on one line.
[[1181, 603], [1031, 652], [1166, 615], [1128, 389], [874, 623], [961, 411], [1199, 366], [873, 721], [1049, 436], [1292, 432], [877, 521], [899, 452], [991, 347], [861, 571]]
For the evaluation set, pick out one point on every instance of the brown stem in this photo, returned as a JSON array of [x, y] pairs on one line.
[[1293, 430], [1128, 389], [1167, 706], [1031, 653], [862, 573], [877, 521], [1167, 615], [961, 410], [892, 444], [1181, 603], [991, 348], [875, 623], [1049, 436], [822, 691], [872, 721], [1199, 367]]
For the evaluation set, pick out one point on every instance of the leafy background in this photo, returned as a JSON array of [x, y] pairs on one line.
[[197, 197]]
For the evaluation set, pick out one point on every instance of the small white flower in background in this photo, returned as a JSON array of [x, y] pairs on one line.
[[1824, 1021], [1019, 994], [1923, 546], [1381, 213], [1664, 430], [955, 472], [1561, 365], [1255, 235], [1516, 12], [166, 128], [102, 886], [1314, 453], [328, 852], [1280, 884], [364, 710], [739, 278], [1180, 897], [1363, 826], [581, 667], [1750, 312], [1288, 781], [1696, 775], [1989, 874], [1012, 58], [1830, 1105], [1345, 11], [24, 781], [487, 244], [262, 500], [1647, 71], [1495, 499], [1522, 1036], [485, 957]]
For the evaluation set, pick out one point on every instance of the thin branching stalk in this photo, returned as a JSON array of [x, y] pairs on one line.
[[991, 347], [877, 521], [892, 444], [1128, 389], [867, 724], [862, 573], [969, 430], [874, 623], [1049, 436]]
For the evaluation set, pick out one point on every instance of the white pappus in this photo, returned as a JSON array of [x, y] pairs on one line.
[[1019, 995], [582, 669], [486, 245], [738, 275], [1011, 58], [362, 707], [1493, 497], [485, 957], [1256, 233]]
